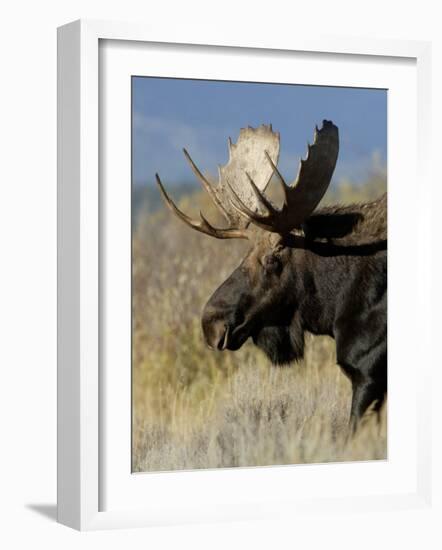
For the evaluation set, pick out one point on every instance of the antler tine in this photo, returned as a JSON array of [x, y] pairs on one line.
[[205, 184], [281, 180], [261, 198], [239, 205], [265, 221], [203, 226]]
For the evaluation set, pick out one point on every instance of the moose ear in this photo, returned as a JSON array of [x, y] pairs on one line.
[[330, 226]]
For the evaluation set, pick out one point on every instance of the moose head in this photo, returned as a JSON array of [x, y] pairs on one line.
[[257, 300]]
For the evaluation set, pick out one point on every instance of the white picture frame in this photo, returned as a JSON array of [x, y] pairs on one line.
[[80, 391]]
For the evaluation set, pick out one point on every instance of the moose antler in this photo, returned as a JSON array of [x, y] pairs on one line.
[[247, 158], [302, 197], [240, 196]]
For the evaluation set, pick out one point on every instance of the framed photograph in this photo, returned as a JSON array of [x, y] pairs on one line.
[[223, 310]]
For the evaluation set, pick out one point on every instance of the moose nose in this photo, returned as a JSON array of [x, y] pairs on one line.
[[216, 334]]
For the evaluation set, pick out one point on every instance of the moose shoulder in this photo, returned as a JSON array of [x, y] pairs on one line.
[[321, 271]]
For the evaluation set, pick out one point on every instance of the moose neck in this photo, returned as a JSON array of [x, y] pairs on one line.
[[320, 270], [310, 305], [316, 283]]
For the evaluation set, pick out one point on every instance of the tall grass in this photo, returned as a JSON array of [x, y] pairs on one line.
[[195, 408]]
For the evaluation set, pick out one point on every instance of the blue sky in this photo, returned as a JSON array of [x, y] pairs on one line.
[[169, 114]]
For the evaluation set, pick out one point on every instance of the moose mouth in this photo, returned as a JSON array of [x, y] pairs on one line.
[[224, 340], [234, 337]]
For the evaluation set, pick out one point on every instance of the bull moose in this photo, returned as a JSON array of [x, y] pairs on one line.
[[322, 271]]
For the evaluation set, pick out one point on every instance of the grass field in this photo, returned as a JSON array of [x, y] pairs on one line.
[[196, 408]]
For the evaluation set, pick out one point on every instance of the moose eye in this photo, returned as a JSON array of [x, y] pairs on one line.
[[272, 264]]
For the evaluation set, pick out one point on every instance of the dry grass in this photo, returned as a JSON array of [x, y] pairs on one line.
[[195, 408]]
